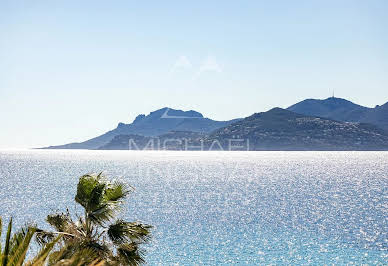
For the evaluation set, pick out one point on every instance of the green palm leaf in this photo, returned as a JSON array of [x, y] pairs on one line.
[[85, 187], [96, 197], [103, 214], [60, 221], [7, 244], [1, 230], [21, 243], [130, 254], [122, 231], [42, 256], [116, 192]]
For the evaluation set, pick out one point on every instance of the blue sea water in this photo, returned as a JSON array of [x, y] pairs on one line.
[[214, 208]]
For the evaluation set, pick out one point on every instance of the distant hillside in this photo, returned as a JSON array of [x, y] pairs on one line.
[[156, 123], [277, 129], [343, 110], [377, 116], [280, 129]]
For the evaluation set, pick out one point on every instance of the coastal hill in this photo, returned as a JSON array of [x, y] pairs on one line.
[[156, 123], [280, 129], [343, 110], [277, 129]]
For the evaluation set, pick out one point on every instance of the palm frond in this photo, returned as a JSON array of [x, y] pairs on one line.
[[44, 237], [1, 229], [130, 254], [84, 257], [85, 187], [7, 244], [116, 192], [100, 249], [20, 244], [121, 232], [17, 239], [93, 248], [42, 256], [96, 197], [103, 214], [60, 221]]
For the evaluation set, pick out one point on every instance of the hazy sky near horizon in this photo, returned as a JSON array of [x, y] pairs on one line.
[[71, 70]]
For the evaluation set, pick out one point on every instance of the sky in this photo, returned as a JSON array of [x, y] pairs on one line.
[[72, 70]]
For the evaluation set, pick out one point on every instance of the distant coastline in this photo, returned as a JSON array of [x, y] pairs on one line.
[[331, 124]]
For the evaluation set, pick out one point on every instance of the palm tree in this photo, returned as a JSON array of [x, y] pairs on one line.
[[97, 236]]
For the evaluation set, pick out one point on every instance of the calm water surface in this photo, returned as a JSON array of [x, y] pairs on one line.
[[223, 207]]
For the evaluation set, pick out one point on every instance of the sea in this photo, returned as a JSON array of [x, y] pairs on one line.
[[221, 207]]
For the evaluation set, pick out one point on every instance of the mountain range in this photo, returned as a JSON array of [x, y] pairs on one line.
[[330, 124]]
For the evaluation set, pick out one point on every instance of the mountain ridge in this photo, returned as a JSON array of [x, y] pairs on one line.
[[343, 110], [276, 129], [155, 123]]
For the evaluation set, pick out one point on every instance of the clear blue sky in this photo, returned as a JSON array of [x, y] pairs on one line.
[[71, 70]]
